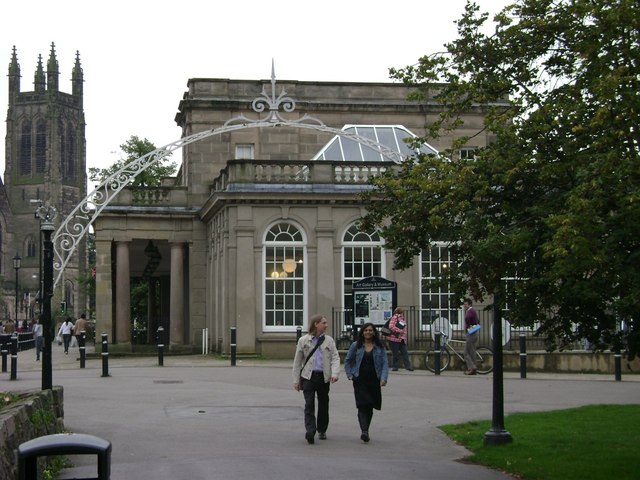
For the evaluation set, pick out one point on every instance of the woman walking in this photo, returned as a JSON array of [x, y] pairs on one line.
[[65, 330], [398, 340], [367, 367]]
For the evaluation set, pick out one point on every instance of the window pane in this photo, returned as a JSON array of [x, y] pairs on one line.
[[437, 298], [284, 271]]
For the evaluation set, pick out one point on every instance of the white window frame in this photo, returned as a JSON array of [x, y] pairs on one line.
[[429, 268], [362, 241], [284, 291], [245, 151], [468, 153]]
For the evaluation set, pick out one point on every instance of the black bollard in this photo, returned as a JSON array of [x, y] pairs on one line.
[[14, 357], [160, 346], [105, 355], [298, 333], [81, 347], [617, 365], [436, 354], [233, 346], [523, 356], [5, 340]]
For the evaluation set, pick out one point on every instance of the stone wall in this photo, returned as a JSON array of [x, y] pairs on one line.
[[36, 413]]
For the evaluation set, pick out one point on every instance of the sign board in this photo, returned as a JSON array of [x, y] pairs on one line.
[[374, 299]]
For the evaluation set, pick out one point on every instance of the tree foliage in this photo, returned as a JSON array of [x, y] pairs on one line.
[[554, 200], [133, 149]]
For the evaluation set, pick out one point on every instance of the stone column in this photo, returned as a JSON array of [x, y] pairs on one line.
[[104, 293], [123, 293], [176, 308]]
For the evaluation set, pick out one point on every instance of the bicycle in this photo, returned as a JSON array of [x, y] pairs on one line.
[[484, 356]]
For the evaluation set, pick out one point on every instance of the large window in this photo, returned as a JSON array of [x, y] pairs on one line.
[[284, 305], [437, 300], [25, 149], [362, 258], [69, 151], [41, 146]]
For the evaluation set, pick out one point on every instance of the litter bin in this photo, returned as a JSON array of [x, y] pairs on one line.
[[63, 444]]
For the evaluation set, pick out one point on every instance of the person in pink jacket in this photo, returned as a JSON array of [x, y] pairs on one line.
[[398, 340]]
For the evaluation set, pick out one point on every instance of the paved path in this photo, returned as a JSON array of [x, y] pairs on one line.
[[199, 418]]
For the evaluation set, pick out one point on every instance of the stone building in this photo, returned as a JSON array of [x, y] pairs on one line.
[[258, 230], [45, 161]]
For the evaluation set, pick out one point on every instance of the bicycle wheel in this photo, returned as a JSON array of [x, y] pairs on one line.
[[484, 360], [430, 360]]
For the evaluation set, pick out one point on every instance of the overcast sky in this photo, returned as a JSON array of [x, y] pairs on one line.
[[138, 55]]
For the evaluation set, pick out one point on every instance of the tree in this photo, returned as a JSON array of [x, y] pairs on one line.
[[133, 149], [555, 200]]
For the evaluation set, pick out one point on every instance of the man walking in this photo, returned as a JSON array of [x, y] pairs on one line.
[[472, 325], [80, 326], [316, 365]]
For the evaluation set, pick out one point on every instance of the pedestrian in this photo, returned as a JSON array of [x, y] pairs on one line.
[[366, 366], [316, 365], [398, 340], [37, 336], [80, 326], [65, 330], [471, 325], [9, 326]]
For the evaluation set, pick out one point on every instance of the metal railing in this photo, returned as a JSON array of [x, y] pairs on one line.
[[419, 335]]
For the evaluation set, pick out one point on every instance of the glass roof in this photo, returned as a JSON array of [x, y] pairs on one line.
[[349, 150]]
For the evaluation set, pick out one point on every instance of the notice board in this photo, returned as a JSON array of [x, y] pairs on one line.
[[374, 299]]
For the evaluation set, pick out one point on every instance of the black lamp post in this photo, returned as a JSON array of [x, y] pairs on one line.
[[16, 264], [497, 435], [46, 214]]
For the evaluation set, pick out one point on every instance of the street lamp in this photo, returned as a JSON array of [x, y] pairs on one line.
[[16, 264], [46, 214]]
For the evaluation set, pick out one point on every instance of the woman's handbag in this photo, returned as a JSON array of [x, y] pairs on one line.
[[384, 330]]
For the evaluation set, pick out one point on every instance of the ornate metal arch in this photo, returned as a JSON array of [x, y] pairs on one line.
[[76, 225]]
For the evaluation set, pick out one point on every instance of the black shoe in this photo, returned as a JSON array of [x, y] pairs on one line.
[[394, 369], [365, 436], [309, 436], [322, 436], [410, 369]]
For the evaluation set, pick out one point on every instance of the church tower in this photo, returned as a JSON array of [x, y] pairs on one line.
[[45, 160]]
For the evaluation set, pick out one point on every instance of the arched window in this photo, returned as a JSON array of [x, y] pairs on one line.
[[25, 149], [68, 294], [362, 255], [70, 159], [436, 298], [41, 146], [31, 247], [284, 286]]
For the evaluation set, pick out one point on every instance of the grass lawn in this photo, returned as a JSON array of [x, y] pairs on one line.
[[592, 442]]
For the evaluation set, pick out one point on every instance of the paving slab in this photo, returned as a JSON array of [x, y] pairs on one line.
[[198, 417]]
